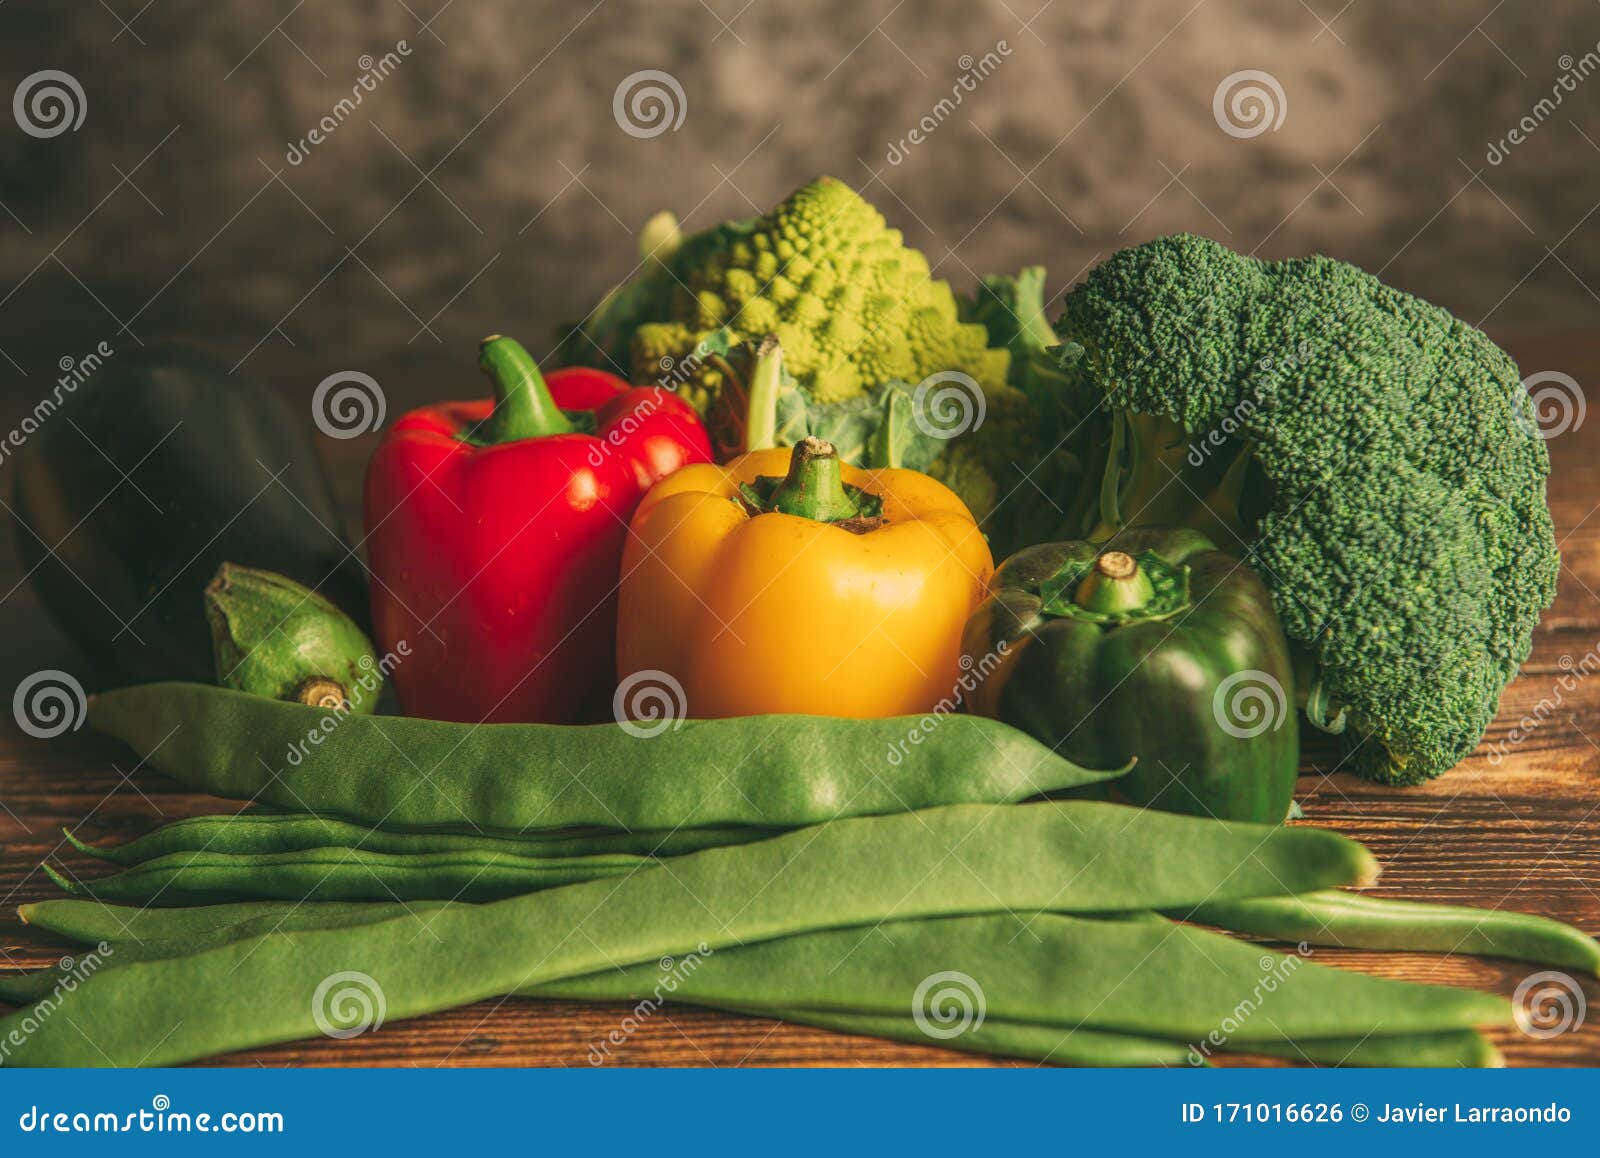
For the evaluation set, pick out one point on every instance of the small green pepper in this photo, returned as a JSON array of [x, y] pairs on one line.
[[274, 637], [1155, 647]]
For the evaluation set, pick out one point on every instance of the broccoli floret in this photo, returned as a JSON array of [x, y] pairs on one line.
[[1368, 453]]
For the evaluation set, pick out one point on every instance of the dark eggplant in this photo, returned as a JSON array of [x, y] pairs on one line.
[[154, 472]]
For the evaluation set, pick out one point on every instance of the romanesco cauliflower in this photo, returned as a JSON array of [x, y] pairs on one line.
[[853, 305]]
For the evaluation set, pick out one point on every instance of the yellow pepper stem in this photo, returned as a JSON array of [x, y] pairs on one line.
[[814, 487]]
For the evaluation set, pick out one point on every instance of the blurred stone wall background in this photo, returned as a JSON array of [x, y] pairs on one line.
[[486, 183]]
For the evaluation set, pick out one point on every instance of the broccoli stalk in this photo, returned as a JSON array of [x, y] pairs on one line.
[[1155, 474]]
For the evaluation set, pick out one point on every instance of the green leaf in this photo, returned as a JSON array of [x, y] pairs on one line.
[[871, 430]]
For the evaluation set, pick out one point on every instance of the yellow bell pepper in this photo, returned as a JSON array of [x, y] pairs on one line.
[[788, 582]]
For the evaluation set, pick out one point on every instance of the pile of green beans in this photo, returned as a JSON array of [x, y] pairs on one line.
[[1056, 988], [817, 870], [1061, 856], [212, 859], [392, 771]]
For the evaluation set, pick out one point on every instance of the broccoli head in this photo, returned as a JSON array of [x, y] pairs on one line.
[[1369, 454]]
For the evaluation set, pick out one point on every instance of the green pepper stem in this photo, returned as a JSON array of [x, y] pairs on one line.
[[523, 407], [1116, 585], [814, 486], [761, 403]]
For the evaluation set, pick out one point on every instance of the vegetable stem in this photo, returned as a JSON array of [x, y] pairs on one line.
[[814, 487], [761, 417], [1116, 585], [523, 407]]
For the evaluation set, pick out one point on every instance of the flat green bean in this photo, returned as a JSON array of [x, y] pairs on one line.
[[1148, 978], [769, 771], [1461, 1049], [250, 832], [343, 874], [1077, 856], [1357, 921], [1066, 975], [996, 1038], [1458, 1049], [90, 922]]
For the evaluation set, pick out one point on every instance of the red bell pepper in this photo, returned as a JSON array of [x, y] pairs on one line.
[[495, 532]]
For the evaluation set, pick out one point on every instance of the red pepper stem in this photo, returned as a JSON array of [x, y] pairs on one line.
[[523, 407], [814, 486], [1117, 584]]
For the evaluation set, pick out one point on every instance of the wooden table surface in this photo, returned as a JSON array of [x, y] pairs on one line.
[[1520, 833]]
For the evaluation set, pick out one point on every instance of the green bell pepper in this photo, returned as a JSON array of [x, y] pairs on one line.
[[1156, 647]]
